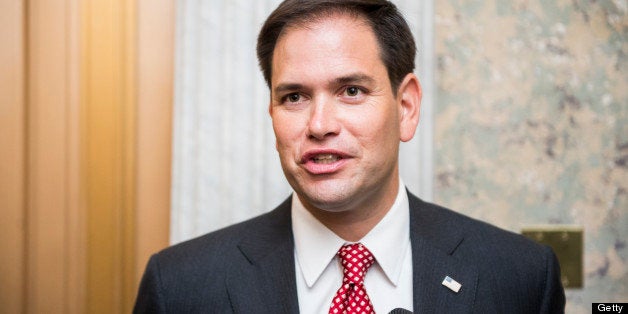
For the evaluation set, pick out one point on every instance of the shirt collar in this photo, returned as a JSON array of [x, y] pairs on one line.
[[316, 246]]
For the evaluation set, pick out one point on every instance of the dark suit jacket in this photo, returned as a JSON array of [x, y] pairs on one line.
[[249, 268]]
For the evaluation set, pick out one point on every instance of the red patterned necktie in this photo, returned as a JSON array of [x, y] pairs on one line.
[[351, 297]]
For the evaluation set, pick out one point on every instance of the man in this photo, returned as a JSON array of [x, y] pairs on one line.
[[351, 239]]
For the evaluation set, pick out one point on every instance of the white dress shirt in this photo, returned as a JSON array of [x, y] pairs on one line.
[[388, 281]]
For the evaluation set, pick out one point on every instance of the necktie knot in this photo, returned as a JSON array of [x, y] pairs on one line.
[[355, 260], [352, 298]]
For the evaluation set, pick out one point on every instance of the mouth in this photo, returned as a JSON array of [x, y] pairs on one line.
[[325, 158], [324, 161]]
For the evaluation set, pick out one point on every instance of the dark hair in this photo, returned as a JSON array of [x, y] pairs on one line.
[[396, 44]]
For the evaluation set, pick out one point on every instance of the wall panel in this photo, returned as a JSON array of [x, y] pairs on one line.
[[75, 232], [155, 67], [108, 104], [47, 193], [12, 156]]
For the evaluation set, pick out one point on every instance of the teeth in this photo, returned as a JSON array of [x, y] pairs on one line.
[[326, 158]]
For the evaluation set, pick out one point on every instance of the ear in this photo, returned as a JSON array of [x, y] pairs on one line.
[[409, 100]]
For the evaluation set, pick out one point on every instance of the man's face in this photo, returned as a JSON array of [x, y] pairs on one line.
[[336, 119]]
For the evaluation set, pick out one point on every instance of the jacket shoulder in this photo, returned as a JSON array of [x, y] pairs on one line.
[[219, 246], [191, 276], [441, 225], [519, 272]]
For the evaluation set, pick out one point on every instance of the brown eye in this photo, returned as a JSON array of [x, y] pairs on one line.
[[352, 91], [294, 97]]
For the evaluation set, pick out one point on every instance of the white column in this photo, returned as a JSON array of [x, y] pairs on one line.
[[415, 157]]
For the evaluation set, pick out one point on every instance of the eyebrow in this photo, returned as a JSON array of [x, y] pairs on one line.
[[356, 78], [287, 87]]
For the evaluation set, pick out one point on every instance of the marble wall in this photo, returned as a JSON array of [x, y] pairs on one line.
[[531, 124]]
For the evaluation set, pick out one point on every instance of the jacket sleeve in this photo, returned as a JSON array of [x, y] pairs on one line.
[[553, 294], [149, 297]]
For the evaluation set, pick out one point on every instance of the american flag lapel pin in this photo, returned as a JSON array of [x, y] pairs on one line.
[[451, 284]]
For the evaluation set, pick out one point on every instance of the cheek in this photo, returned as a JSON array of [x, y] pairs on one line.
[[378, 129], [286, 132]]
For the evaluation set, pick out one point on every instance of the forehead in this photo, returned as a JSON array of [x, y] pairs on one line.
[[326, 47]]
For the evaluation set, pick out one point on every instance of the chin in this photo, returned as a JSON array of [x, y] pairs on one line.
[[329, 198], [329, 206]]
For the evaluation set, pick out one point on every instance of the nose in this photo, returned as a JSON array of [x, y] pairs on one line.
[[323, 121]]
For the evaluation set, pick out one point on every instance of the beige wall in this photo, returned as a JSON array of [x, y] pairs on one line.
[[85, 110], [12, 153]]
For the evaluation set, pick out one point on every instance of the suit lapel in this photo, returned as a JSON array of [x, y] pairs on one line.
[[433, 245], [267, 282]]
